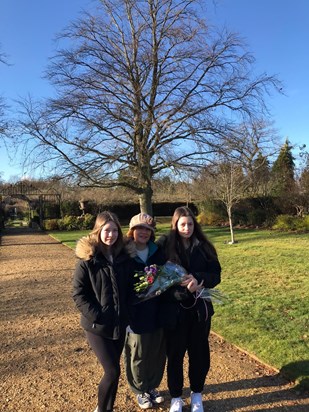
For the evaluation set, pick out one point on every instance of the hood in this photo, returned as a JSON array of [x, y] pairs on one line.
[[86, 248]]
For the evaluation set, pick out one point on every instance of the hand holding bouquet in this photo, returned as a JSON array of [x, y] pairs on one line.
[[154, 280]]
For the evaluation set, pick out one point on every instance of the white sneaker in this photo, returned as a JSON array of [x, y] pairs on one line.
[[155, 396], [176, 405], [144, 401], [196, 402]]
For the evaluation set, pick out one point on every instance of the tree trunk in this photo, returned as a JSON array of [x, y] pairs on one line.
[[145, 201], [229, 212]]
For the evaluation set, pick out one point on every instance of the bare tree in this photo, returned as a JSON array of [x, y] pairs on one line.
[[251, 146], [142, 87], [241, 169], [3, 107], [3, 122], [231, 184], [227, 183]]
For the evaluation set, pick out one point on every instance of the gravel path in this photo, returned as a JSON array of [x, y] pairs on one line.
[[46, 364]]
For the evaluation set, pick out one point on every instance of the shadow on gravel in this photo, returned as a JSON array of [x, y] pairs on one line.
[[274, 399], [13, 232], [296, 371], [218, 394], [30, 244], [20, 230], [279, 400]]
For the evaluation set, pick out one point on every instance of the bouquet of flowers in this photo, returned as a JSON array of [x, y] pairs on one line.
[[154, 280]]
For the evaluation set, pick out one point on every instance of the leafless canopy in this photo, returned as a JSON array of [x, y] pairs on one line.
[[3, 107], [142, 87]]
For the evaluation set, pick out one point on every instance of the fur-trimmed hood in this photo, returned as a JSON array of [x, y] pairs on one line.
[[86, 248]]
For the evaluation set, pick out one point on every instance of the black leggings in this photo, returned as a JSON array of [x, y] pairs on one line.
[[108, 352]]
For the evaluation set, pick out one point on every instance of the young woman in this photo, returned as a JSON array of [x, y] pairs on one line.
[[185, 317], [144, 347], [100, 288]]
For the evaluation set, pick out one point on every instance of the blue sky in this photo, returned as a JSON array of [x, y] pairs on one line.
[[276, 33]]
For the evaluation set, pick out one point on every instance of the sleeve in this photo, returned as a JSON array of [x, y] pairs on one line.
[[211, 277], [84, 295]]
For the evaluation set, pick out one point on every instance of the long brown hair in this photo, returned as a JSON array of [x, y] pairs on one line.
[[175, 247], [95, 234]]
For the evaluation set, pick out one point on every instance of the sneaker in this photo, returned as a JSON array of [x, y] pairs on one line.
[[196, 402], [155, 396], [176, 405], [144, 401]]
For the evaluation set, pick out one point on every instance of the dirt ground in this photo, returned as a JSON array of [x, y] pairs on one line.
[[46, 364]]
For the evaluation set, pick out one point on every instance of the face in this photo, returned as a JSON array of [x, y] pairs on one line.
[[141, 235], [185, 226], [109, 233]]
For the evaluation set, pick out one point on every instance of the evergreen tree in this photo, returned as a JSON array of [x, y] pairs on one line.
[[283, 181], [304, 187]]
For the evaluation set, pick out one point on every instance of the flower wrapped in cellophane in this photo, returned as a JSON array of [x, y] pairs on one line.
[[154, 280]]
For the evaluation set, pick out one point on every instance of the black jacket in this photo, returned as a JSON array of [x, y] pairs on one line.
[[178, 299], [101, 289], [144, 316]]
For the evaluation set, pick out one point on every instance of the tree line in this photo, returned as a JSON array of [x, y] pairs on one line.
[[227, 192]]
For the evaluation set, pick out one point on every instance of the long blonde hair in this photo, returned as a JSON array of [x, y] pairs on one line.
[[95, 234]]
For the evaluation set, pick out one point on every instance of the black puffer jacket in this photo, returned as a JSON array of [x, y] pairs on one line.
[[144, 316], [100, 289], [178, 299]]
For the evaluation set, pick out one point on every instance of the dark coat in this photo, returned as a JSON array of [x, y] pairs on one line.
[[144, 316], [178, 299], [101, 289]]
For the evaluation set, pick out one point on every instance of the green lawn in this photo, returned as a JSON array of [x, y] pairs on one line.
[[266, 278]]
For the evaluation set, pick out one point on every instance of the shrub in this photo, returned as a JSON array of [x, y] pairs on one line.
[[208, 218], [306, 222], [284, 222], [302, 223], [51, 224], [70, 208], [288, 222], [68, 223], [213, 210], [86, 222]]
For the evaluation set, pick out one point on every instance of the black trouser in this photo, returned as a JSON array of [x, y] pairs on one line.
[[192, 336], [108, 352]]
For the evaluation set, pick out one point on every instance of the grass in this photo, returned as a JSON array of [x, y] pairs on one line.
[[266, 278]]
